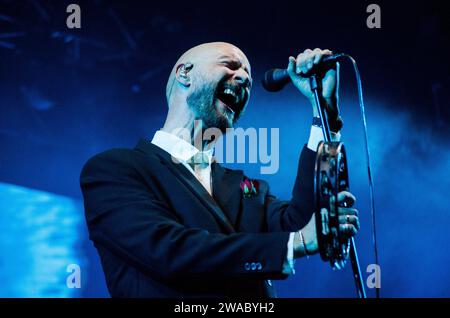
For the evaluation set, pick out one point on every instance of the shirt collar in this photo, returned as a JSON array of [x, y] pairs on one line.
[[178, 148]]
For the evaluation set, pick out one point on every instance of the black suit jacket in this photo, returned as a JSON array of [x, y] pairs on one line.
[[160, 234]]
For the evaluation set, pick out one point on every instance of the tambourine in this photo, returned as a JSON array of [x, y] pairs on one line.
[[331, 177]]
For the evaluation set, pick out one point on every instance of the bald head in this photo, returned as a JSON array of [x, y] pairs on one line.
[[200, 55], [210, 82]]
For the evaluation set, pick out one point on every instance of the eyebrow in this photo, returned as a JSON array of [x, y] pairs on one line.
[[227, 57]]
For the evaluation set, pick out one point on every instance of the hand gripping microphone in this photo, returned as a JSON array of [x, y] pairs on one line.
[[275, 79]]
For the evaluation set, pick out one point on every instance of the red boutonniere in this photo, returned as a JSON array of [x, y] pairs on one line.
[[249, 187]]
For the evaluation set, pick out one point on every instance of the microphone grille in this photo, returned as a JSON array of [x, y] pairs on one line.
[[275, 79]]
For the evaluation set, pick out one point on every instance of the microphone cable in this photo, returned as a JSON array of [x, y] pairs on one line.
[[369, 169]]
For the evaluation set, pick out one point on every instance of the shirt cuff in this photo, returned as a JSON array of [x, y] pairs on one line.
[[289, 263], [316, 136]]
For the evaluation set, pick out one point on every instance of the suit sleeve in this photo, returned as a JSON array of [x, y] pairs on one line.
[[125, 217], [294, 214]]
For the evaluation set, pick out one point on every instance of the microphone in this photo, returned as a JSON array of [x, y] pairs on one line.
[[275, 79]]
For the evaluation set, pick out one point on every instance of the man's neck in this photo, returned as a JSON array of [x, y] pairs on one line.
[[184, 125]]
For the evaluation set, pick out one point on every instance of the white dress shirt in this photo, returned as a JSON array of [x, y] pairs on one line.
[[183, 152]]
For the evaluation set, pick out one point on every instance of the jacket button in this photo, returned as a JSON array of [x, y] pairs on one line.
[[258, 266], [247, 266], [253, 266]]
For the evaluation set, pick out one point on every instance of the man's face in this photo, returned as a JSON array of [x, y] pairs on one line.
[[220, 87]]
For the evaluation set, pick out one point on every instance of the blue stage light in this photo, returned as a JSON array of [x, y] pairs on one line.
[[40, 235]]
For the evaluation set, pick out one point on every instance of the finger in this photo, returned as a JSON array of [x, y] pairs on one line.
[[299, 62], [309, 60], [302, 65], [318, 55], [324, 53], [317, 59], [309, 64], [349, 219], [302, 58], [348, 229], [347, 211], [346, 198], [291, 66]]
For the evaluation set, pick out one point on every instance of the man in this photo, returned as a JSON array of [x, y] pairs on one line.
[[166, 225]]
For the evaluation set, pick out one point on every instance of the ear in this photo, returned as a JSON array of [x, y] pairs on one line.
[[182, 74]]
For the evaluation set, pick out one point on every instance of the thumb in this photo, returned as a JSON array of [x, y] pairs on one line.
[[291, 66]]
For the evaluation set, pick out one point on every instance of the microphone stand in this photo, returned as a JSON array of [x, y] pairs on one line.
[[315, 88]]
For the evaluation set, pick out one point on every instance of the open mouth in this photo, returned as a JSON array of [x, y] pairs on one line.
[[233, 96]]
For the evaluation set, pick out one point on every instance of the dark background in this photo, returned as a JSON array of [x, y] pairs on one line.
[[66, 94]]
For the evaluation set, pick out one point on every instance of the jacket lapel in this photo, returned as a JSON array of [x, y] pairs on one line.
[[227, 191], [189, 180]]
